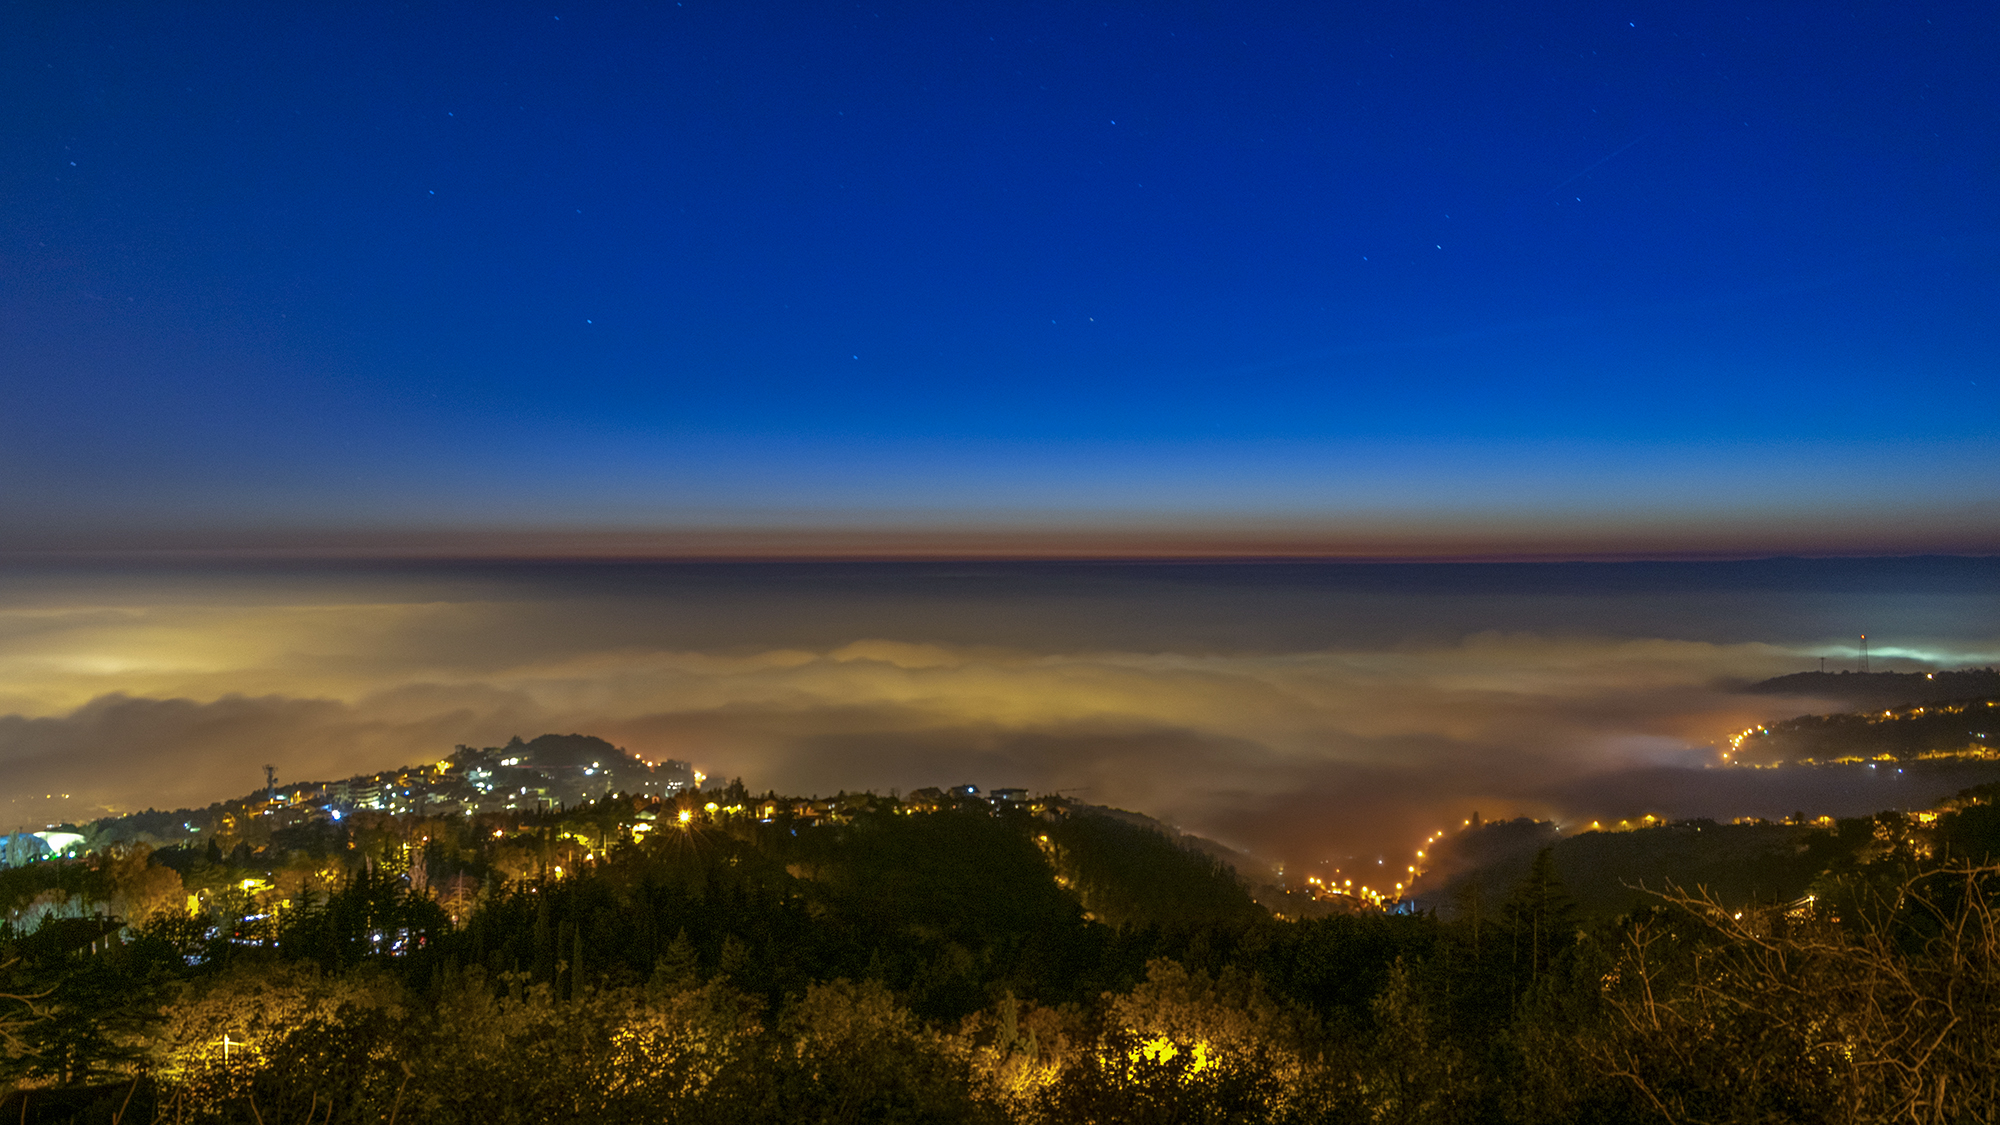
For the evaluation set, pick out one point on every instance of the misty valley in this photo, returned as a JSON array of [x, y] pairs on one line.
[[558, 930]]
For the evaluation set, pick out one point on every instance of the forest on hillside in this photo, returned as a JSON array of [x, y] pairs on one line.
[[637, 960]]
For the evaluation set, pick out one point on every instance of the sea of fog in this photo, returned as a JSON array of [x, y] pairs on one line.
[[1304, 712]]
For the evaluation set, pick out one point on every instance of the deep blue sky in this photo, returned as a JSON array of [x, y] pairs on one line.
[[1457, 265]]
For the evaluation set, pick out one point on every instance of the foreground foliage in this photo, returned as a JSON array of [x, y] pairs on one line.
[[933, 968]]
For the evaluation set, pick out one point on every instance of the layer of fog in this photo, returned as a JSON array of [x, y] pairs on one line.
[[1303, 714]]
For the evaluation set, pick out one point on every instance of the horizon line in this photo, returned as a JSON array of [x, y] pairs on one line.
[[804, 550]]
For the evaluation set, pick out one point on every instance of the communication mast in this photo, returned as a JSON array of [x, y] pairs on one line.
[[271, 784], [1864, 652]]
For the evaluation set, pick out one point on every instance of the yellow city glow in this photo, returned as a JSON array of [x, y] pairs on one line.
[[686, 816]]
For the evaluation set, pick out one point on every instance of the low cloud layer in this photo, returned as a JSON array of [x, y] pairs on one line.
[[135, 693]]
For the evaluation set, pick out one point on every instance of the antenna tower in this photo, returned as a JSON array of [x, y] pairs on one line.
[[1864, 652], [271, 784]]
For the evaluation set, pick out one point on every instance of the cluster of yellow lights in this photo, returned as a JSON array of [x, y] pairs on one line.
[[1647, 821], [1423, 850], [1323, 888], [1160, 1049], [1338, 887], [1736, 740]]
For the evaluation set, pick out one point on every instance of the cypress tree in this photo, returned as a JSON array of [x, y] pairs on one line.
[[1541, 917], [545, 944]]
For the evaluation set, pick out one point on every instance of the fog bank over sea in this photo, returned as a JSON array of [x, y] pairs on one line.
[[1302, 711]]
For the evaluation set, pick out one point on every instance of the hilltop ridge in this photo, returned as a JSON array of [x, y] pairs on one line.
[[1885, 689]]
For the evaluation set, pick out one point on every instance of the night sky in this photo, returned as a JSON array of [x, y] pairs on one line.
[[1399, 278]]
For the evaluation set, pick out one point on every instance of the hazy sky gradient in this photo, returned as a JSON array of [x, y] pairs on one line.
[[1443, 279]]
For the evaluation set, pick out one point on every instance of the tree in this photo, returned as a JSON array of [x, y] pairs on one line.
[[850, 1053], [90, 1013], [136, 888], [1411, 1076], [1883, 1012], [1540, 919], [1189, 1047], [18, 1007]]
